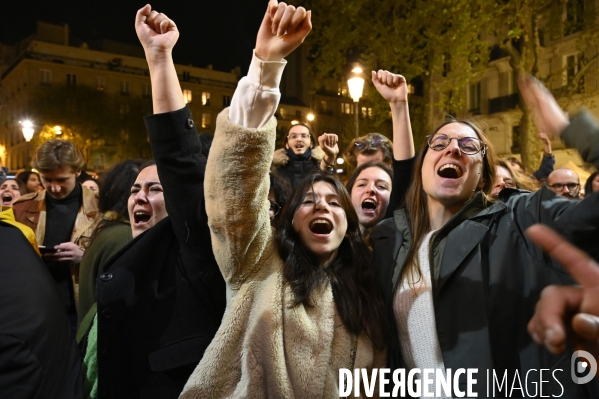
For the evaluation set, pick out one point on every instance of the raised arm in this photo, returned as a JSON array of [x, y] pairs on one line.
[[180, 161], [393, 88], [158, 35], [582, 132], [237, 180]]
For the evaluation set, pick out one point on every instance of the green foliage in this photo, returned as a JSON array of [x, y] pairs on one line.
[[446, 44], [94, 120]]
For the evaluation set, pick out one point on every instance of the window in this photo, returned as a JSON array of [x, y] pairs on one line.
[[206, 120], [341, 89], [45, 77], [346, 108], [205, 98], [366, 112], [323, 105], [282, 112], [298, 114], [474, 99], [574, 20], [186, 76], [125, 88], [71, 80], [100, 83], [146, 90], [226, 101], [187, 96]]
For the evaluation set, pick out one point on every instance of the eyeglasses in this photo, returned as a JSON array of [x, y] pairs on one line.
[[561, 186], [297, 136], [363, 144], [468, 145], [276, 208]]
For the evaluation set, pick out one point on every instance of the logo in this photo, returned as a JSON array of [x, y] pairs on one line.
[[583, 367]]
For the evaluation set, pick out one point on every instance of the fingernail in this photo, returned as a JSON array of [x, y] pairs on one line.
[[550, 338]]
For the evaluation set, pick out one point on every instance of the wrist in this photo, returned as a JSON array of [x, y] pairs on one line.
[[158, 57]]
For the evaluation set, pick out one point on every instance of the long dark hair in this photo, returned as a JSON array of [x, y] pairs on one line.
[[588, 187], [24, 177], [116, 190], [351, 273]]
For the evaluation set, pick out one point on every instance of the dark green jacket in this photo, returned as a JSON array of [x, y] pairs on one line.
[[487, 277], [107, 243]]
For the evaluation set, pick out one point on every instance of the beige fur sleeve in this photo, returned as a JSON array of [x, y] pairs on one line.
[[236, 189]]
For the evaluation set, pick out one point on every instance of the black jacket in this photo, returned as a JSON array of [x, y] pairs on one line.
[[38, 357], [162, 297], [487, 277], [296, 170]]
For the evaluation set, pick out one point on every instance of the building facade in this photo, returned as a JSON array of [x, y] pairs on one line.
[[48, 64]]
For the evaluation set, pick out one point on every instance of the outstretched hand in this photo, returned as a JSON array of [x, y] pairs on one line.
[[567, 313], [156, 32], [283, 29], [392, 87], [546, 113]]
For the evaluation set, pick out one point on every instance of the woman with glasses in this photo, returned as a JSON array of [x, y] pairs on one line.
[[459, 276]]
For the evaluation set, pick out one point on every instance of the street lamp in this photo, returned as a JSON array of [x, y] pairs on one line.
[[356, 85], [27, 130], [310, 117], [57, 130]]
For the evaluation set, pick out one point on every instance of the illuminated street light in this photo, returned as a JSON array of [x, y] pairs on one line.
[[340, 161], [294, 122], [356, 85], [57, 130], [310, 117], [27, 130]]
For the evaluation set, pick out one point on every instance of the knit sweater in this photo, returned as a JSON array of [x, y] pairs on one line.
[[415, 318], [264, 346]]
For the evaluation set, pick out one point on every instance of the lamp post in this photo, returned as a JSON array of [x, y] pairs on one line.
[[27, 134], [356, 85]]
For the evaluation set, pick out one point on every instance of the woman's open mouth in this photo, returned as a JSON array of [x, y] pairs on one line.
[[7, 199], [450, 171], [369, 206], [141, 217], [321, 227]]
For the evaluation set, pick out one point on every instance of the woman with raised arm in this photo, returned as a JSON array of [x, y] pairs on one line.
[[459, 277], [161, 298], [303, 304]]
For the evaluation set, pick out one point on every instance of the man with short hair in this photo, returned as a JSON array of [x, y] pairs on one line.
[[63, 215], [564, 182], [300, 163]]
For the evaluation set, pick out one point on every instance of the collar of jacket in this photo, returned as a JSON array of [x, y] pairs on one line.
[[465, 221]]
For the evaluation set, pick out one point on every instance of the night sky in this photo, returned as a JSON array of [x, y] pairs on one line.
[[217, 32]]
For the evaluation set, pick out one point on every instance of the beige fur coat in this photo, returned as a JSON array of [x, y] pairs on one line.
[[264, 348]]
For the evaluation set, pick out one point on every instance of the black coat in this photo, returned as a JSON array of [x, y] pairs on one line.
[[162, 297], [38, 357], [296, 170], [487, 277]]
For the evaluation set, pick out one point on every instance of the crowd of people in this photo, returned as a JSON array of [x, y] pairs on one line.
[[202, 274]]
